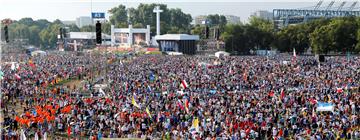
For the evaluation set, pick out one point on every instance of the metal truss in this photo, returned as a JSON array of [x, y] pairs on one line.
[[284, 17]]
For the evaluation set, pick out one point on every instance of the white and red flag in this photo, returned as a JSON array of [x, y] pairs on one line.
[[17, 76], [184, 84]]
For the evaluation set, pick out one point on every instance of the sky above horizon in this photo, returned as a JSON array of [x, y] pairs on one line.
[[70, 9]]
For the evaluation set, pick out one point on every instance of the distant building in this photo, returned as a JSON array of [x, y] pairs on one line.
[[200, 19], [83, 21], [263, 14], [229, 18], [69, 22], [232, 19]]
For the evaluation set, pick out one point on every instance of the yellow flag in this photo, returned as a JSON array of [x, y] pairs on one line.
[[196, 123], [134, 103], [148, 112]]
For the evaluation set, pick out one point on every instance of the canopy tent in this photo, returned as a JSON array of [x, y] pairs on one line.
[[35, 53], [174, 53], [221, 53]]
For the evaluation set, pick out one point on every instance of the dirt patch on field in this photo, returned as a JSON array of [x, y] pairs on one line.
[[73, 84]]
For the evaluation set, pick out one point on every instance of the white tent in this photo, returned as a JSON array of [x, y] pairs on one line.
[[174, 53], [99, 86], [221, 53], [41, 53]]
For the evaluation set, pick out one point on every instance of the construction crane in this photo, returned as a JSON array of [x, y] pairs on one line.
[[352, 6], [318, 5], [341, 5], [330, 5]]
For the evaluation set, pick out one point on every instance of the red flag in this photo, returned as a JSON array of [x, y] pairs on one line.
[[280, 132], [69, 130], [180, 105], [271, 93], [17, 118], [339, 90], [108, 101], [263, 124], [88, 100], [187, 105], [282, 94], [66, 109], [184, 84], [312, 101]]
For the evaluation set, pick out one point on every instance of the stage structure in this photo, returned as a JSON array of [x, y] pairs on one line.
[[183, 43], [127, 37], [286, 17], [82, 40]]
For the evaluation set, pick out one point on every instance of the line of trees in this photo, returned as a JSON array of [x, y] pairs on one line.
[[40, 32], [337, 35], [171, 20], [43, 33]]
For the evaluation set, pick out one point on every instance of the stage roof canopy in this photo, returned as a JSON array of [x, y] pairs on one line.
[[177, 37], [86, 35]]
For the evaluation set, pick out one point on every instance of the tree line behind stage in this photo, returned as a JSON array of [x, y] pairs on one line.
[[322, 35]]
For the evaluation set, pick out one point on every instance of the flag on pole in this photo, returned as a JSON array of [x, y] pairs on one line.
[[282, 94], [294, 53], [195, 125], [180, 105], [184, 84], [22, 135], [313, 113], [134, 102], [149, 88], [69, 131], [294, 56], [148, 112], [12, 66], [17, 76], [187, 105], [18, 66]]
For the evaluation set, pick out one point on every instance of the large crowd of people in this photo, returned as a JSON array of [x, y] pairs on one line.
[[180, 97]]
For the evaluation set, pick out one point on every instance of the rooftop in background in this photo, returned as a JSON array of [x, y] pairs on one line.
[[68, 22], [83, 21], [263, 14]]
